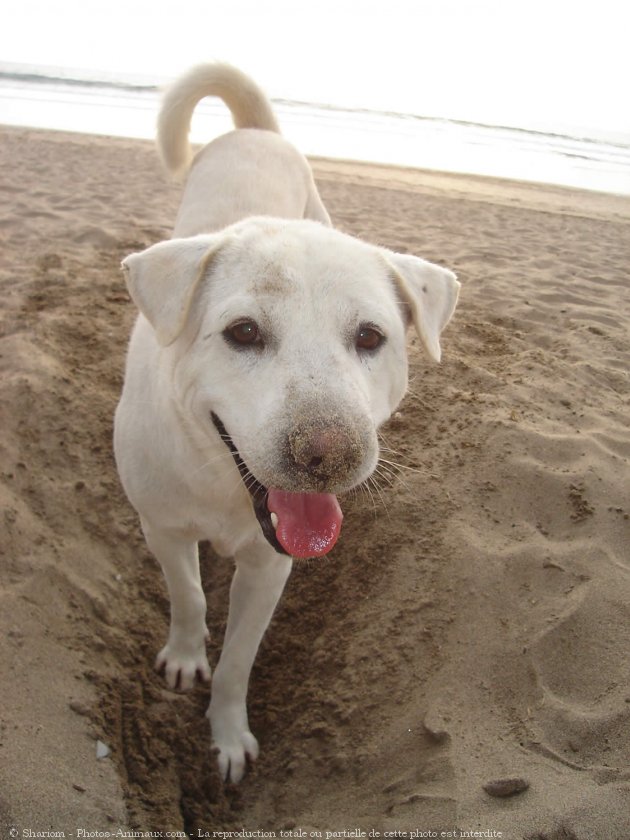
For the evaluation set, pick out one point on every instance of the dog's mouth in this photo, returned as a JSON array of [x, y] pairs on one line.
[[297, 524]]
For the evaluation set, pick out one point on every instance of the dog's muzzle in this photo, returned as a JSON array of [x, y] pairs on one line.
[[300, 524]]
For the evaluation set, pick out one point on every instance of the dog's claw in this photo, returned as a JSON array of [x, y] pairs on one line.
[[183, 670], [234, 755]]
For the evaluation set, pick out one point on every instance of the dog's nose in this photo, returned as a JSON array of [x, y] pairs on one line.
[[310, 450], [326, 452]]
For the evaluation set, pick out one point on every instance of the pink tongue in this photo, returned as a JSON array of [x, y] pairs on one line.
[[308, 523]]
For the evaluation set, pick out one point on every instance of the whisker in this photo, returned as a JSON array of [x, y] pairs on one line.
[[217, 457], [398, 466], [253, 485], [367, 491], [237, 482], [375, 484], [388, 476], [396, 478]]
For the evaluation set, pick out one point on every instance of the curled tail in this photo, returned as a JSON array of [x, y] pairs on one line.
[[249, 106]]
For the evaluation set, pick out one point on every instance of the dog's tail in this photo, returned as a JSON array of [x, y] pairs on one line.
[[249, 106]]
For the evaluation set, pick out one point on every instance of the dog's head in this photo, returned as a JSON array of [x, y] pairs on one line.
[[287, 340]]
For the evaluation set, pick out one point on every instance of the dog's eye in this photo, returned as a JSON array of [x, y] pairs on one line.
[[243, 333], [369, 338]]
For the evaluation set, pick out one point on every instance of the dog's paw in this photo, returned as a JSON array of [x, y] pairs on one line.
[[234, 752], [183, 668], [231, 736]]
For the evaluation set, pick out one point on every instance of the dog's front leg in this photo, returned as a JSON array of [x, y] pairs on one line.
[[184, 657], [258, 582]]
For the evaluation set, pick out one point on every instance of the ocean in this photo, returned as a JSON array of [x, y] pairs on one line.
[[127, 107]]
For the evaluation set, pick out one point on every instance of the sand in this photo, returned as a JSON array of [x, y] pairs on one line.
[[472, 625]]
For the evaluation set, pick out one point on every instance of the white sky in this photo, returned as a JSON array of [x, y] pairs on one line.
[[550, 64]]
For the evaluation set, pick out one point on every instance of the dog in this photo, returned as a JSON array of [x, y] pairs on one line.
[[268, 350]]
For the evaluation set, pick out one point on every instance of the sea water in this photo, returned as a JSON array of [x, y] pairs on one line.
[[126, 108]]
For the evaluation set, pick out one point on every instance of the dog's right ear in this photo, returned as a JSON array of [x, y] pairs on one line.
[[162, 280]]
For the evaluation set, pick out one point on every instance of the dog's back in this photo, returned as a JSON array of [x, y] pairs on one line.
[[248, 172]]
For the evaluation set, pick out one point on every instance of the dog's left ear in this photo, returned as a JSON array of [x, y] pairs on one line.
[[429, 292], [162, 280]]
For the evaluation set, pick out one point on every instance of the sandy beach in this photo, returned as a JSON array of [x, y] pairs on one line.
[[470, 634]]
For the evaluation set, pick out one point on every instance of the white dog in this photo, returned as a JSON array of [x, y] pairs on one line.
[[268, 351]]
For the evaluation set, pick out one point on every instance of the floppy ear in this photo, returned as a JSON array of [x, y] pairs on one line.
[[162, 281], [430, 292]]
